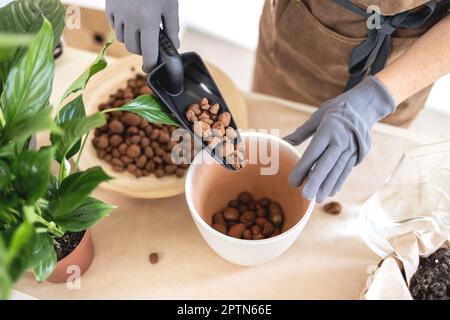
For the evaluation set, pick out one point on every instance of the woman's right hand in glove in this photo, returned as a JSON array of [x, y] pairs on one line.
[[137, 24]]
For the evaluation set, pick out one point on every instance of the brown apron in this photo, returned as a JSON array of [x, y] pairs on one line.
[[304, 49]]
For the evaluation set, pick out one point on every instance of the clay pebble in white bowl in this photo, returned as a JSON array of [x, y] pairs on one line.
[[209, 187]]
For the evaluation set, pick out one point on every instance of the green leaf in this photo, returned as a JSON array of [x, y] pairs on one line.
[[53, 185], [99, 64], [73, 131], [9, 43], [29, 84], [73, 110], [151, 109], [75, 189], [6, 218], [5, 175], [14, 147], [26, 17], [5, 279], [20, 250], [7, 150], [32, 172], [85, 216], [44, 258], [11, 149], [14, 40], [27, 127], [2, 118]]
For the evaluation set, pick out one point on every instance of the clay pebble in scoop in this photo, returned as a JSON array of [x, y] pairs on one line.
[[214, 128]]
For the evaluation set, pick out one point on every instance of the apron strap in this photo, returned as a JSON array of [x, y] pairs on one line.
[[372, 54]]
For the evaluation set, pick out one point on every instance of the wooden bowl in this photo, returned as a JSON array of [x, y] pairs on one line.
[[115, 77]]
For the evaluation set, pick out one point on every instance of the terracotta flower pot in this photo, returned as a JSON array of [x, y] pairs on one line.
[[76, 263]]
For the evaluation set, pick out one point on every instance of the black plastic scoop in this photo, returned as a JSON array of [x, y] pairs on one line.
[[180, 80]]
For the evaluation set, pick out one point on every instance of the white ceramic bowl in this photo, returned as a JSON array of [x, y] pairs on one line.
[[209, 187]]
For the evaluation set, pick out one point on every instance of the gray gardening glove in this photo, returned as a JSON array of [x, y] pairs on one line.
[[137, 24], [341, 138]]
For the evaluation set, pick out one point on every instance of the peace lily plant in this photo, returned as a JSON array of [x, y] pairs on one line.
[[39, 206]]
